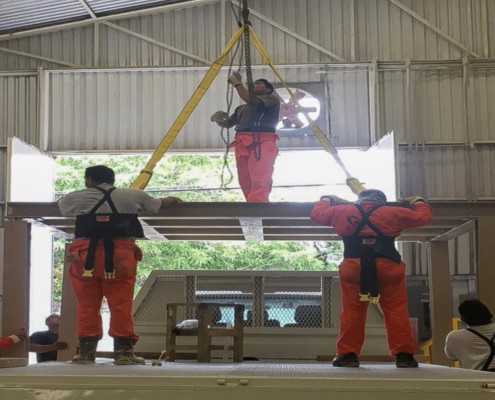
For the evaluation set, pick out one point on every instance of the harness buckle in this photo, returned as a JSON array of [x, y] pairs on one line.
[[109, 275], [374, 299], [364, 297], [88, 273]]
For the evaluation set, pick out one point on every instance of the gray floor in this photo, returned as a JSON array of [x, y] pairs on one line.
[[249, 380]]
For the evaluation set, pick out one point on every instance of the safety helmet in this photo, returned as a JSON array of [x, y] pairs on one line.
[[372, 195]]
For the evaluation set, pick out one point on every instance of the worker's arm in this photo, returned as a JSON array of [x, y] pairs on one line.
[[44, 348], [170, 201]]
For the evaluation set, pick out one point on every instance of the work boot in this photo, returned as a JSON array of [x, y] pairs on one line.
[[123, 352], [405, 360], [349, 360], [86, 351]]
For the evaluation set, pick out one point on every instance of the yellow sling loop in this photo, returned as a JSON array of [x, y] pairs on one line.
[[145, 175], [353, 183]]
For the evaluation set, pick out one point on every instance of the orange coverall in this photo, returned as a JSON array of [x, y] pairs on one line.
[[119, 292], [390, 220], [6, 342]]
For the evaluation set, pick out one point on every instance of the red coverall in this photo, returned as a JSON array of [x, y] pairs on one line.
[[6, 342], [90, 290], [391, 275], [119, 292], [255, 176], [255, 144]]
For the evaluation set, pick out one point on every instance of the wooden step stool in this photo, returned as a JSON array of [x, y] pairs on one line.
[[205, 331]]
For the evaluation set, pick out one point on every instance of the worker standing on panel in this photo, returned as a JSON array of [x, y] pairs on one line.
[[255, 139], [103, 259], [372, 270]]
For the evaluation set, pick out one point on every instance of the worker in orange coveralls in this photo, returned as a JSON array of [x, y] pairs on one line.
[[255, 139], [103, 259], [372, 269], [6, 342]]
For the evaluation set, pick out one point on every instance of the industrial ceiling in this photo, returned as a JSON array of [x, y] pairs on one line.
[[23, 15]]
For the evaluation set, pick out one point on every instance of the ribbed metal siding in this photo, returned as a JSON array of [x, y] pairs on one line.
[[131, 110], [373, 29], [19, 107], [481, 104], [435, 172], [73, 46], [386, 32]]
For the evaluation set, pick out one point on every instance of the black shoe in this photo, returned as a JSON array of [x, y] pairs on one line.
[[405, 360], [349, 360]]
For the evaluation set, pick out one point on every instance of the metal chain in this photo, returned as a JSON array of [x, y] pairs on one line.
[[229, 96]]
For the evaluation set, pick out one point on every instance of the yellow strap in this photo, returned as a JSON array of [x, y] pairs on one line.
[[145, 175], [353, 183]]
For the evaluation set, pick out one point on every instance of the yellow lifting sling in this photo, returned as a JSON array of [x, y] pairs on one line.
[[145, 175]]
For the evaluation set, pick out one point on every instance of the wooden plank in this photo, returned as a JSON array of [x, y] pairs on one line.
[[16, 281], [485, 273], [440, 300]]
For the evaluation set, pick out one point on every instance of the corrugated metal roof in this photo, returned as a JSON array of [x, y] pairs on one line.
[[19, 15]]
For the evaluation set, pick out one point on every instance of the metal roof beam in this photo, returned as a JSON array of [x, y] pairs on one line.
[[434, 28], [47, 59], [297, 36], [124, 15], [157, 43]]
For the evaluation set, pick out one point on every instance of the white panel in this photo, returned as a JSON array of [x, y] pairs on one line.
[[465, 255], [31, 173], [378, 171]]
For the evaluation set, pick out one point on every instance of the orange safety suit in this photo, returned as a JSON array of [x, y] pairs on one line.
[[6, 342], [390, 220], [255, 175], [256, 144], [103, 257], [90, 290]]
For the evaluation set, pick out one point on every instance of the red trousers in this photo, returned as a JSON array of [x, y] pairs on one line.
[[119, 292], [255, 176], [393, 303]]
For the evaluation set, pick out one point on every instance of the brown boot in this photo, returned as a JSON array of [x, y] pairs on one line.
[[87, 350], [124, 352]]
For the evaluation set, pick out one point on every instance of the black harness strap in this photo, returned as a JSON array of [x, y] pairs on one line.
[[108, 244], [368, 276], [491, 344]]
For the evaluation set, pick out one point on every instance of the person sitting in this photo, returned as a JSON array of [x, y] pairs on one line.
[[45, 343], [474, 346], [6, 342]]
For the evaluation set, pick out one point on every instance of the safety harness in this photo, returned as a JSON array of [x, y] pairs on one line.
[[105, 227], [491, 344], [367, 248]]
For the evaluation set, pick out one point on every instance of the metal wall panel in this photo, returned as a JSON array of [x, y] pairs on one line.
[[439, 172], [482, 177], [387, 32], [120, 110], [437, 106], [19, 107], [293, 31], [481, 106], [71, 47]]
